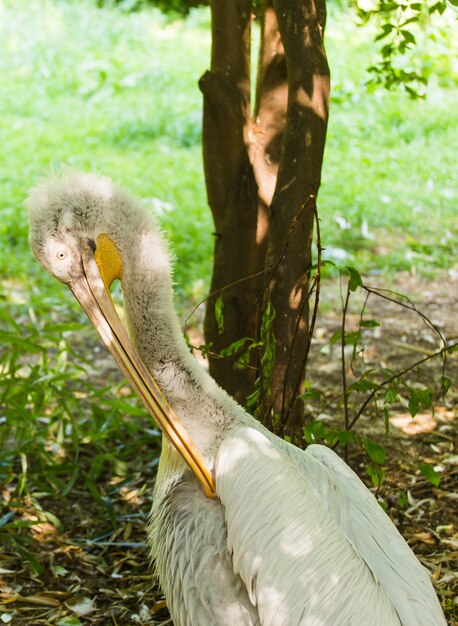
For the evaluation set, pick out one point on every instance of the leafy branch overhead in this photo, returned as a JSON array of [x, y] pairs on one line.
[[404, 29]]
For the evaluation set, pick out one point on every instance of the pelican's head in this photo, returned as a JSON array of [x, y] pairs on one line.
[[75, 215], [87, 232]]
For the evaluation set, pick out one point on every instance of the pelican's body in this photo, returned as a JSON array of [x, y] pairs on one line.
[[293, 538]]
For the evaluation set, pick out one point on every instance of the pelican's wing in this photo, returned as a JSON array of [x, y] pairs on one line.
[[374, 536], [296, 563]]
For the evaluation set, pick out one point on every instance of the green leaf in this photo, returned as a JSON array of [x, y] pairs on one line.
[[376, 474], [411, 20], [426, 397], [219, 313], [352, 338], [337, 336], [430, 474], [386, 419], [70, 620], [314, 430], [268, 342], [391, 395], [331, 436], [402, 499], [439, 7], [445, 382], [55, 521], [408, 36], [20, 342], [33, 562], [9, 319], [386, 30], [413, 405], [346, 437], [92, 487], [125, 407], [375, 451], [364, 384], [311, 394], [109, 508], [234, 347], [355, 277], [368, 323], [419, 399]]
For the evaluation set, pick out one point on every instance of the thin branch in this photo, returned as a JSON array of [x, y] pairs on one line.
[[403, 372], [410, 306], [344, 373], [353, 356], [221, 289]]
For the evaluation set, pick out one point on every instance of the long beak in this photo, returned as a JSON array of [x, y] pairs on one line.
[[90, 292]]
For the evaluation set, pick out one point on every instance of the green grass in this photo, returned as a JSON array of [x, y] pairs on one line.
[[74, 92], [117, 92], [390, 163]]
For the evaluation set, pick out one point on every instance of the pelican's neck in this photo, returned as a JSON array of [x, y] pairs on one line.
[[155, 329], [147, 288], [153, 324], [204, 409]]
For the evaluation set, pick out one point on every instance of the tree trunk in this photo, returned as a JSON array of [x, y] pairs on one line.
[[232, 191], [291, 211], [246, 159]]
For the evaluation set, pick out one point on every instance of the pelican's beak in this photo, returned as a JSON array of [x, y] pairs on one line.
[[92, 292]]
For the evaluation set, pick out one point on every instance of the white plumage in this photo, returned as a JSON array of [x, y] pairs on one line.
[[293, 538]]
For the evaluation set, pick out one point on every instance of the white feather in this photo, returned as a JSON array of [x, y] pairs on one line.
[[293, 557]]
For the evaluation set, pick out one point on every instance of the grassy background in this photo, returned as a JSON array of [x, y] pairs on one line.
[[117, 92]]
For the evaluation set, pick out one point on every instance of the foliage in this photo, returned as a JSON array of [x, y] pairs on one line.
[[401, 24], [376, 389], [178, 7], [59, 429]]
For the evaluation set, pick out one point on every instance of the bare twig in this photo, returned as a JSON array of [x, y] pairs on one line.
[[408, 304], [403, 372], [353, 356], [344, 373], [221, 289]]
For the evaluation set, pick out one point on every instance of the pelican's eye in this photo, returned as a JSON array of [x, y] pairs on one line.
[[61, 254]]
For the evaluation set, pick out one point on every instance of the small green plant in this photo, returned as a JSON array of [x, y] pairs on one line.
[[59, 430], [377, 389]]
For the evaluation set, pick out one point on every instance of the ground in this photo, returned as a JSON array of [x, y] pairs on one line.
[[95, 570]]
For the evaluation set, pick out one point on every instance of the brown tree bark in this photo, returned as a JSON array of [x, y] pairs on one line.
[[291, 211], [231, 190], [246, 158]]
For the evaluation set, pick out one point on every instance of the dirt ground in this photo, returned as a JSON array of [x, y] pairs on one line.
[[97, 573]]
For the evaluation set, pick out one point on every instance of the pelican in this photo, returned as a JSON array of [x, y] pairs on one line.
[[245, 528]]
